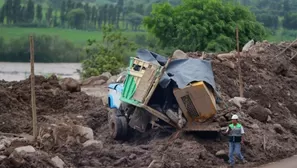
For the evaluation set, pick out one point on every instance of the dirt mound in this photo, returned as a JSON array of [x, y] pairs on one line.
[[52, 104], [268, 116]]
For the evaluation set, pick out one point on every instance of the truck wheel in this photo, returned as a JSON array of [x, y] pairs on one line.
[[124, 122], [118, 127], [115, 127]]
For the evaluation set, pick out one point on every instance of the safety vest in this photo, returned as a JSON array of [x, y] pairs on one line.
[[235, 133]]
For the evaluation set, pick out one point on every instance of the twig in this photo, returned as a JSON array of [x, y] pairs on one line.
[[293, 56], [264, 143], [286, 48]]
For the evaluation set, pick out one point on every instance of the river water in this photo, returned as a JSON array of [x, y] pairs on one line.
[[20, 71]]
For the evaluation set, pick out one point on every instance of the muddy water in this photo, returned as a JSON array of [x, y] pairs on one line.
[[19, 71]]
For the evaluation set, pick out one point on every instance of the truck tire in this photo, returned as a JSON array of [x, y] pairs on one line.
[[115, 127], [124, 122]]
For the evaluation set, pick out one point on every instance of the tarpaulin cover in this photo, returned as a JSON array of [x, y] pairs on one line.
[[182, 71]]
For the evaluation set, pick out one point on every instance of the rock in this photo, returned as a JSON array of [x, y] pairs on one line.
[[155, 164], [293, 107], [2, 147], [120, 161], [269, 120], [112, 79], [58, 162], [2, 157], [93, 144], [106, 74], [248, 45], [179, 54], [269, 111], [97, 80], [229, 64], [261, 50], [70, 84], [278, 128], [237, 101], [85, 133], [259, 113], [225, 56], [25, 149], [222, 154], [255, 126], [132, 156]]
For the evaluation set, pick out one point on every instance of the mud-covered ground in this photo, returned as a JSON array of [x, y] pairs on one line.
[[268, 115]]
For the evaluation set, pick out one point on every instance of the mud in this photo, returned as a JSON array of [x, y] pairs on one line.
[[269, 85]]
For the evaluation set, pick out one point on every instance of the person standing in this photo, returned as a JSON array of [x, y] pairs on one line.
[[235, 132]]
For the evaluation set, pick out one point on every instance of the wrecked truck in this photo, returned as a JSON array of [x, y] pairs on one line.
[[159, 93]]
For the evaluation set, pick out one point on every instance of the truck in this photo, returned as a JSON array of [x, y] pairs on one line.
[[159, 93]]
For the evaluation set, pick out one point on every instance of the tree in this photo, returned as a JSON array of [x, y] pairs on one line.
[[76, 18], [30, 11], [49, 15], [107, 55], [203, 25], [63, 13], [8, 12], [16, 10], [2, 14], [39, 12]]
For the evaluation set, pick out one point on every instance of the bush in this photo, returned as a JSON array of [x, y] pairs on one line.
[[108, 55]]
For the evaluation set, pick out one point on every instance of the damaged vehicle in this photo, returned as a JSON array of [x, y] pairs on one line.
[[158, 92]]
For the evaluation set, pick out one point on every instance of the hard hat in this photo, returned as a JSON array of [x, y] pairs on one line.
[[234, 117]]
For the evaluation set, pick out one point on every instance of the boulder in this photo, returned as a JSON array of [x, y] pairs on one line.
[[278, 128], [93, 144], [2, 157], [179, 54], [259, 113], [222, 154], [58, 162], [237, 101], [84, 133], [70, 84], [25, 149], [106, 74], [112, 79]]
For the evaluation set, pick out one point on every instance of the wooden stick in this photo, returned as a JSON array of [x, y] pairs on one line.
[[239, 66], [33, 99], [286, 48]]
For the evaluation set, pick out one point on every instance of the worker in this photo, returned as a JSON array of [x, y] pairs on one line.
[[235, 131]]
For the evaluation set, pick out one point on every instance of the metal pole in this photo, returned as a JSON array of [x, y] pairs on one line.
[[239, 66], [33, 99]]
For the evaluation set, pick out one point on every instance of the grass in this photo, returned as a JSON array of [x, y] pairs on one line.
[[76, 36]]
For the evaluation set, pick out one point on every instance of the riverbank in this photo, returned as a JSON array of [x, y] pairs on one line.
[[10, 71]]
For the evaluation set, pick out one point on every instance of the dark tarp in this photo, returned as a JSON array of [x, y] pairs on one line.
[[182, 71]]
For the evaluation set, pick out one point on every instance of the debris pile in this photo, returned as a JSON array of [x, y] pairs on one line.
[[267, 112]]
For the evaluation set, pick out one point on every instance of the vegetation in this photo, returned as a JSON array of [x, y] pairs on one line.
[[203, 25], [108, 55], [172, 24]]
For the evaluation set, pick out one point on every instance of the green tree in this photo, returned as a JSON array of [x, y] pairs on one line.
[[76, 18], [8, 12], [30, 11], [107, 55], [2, 14], [16, 10], [63, 13], [203, 25], [49, 16], [39, 12]]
